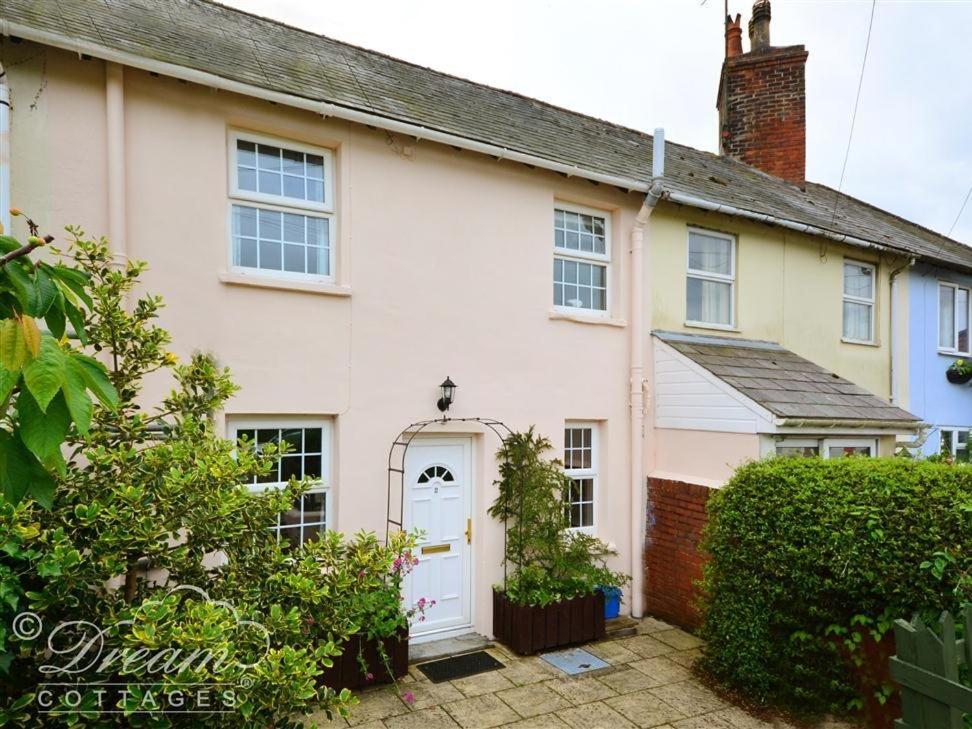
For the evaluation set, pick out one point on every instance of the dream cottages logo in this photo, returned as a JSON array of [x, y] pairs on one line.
[[134, 667]]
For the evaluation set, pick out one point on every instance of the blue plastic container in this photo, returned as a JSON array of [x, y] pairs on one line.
[[612, 601]]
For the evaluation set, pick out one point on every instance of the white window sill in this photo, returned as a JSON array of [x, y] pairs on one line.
[[713, 327], [560, 314], [953, 353], [860, 342], [321, 288]]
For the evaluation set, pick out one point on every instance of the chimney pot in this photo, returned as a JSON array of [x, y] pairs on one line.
[[733, 36], [759, 26]]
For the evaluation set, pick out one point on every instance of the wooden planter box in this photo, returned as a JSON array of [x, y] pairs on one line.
[[529, 629], [346, 671]]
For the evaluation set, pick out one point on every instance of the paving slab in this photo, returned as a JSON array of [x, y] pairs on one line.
[[483, 683], [581, 690], [613, 652], [625, 680], [529, 670], [689, 697], [547, 721], [433, 718], [481, 712], [661, 670], [534, 699], [678, 639], [377, 704], [428, 694], [687, 658], [594, 716], [646, 646], [644, 709]]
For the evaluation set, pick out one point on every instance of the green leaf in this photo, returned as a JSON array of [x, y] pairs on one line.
[[43, 432], [8, 381], [44, 375], [21, 474], [23, 286], [76, 281], [76, 318], [76, 395], [96, 378], [45, 291], [55, 316], [13, 347], [8, 244]]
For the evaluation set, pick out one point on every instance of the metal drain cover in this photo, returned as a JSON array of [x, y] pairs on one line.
[[575, 661]]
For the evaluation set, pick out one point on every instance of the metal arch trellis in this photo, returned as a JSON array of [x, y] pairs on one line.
[[396, 465]]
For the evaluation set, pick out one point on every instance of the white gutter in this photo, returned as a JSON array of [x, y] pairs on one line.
[[322, 108], [636, 343], [4, 153]]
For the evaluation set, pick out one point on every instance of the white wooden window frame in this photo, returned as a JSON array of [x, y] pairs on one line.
[[587, 473], [955, 327], [282, 203], [823, 445], [870, 303], [235, 425], [954, 446], [729, 278], [598, 259]]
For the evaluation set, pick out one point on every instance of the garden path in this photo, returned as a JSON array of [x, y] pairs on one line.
[[649, 685]]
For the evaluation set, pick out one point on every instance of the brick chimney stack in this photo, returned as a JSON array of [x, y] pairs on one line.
[[762, 101]]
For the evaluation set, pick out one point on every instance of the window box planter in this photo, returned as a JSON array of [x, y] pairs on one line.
[[346, 671], [528, 629]]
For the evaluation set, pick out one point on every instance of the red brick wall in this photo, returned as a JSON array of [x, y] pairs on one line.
[[676, 514], [762, 111]]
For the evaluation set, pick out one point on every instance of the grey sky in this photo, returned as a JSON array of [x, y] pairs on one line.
[[649, 63]]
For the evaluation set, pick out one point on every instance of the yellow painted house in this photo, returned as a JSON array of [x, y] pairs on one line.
[[346, 231]]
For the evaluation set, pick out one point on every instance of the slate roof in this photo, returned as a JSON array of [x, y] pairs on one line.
[[784, 383], [240, 47]]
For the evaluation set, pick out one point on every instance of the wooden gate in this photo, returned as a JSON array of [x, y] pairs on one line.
[[927, 667]]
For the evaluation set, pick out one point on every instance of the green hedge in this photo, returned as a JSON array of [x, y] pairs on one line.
[[805, 553]]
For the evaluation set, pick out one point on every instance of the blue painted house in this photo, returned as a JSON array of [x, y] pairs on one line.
[[938, 318]]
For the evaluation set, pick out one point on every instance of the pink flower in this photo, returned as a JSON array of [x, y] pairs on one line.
[[369, 677], [409, 697], [361, 575]]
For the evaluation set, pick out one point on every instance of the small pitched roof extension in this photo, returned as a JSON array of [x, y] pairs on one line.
[[260, 53], [784, 383]]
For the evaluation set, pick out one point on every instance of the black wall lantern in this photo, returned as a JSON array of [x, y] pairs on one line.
[[448, 388]]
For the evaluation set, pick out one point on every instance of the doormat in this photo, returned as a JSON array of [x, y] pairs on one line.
[[575, 661], [468, 664]]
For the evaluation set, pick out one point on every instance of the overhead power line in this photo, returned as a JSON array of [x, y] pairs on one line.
[[857, 101], [961, 210]]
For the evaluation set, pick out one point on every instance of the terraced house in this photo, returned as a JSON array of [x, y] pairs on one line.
[[346, 231]]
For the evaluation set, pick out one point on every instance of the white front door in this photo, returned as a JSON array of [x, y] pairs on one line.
[[438, 491]]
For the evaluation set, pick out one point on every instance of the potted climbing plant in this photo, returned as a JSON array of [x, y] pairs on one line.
[[959, 372], [551, 594]]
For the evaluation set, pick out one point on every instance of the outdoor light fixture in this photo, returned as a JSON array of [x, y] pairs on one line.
[[448, 388]]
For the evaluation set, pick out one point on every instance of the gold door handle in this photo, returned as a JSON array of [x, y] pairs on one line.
[[468, 531]]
